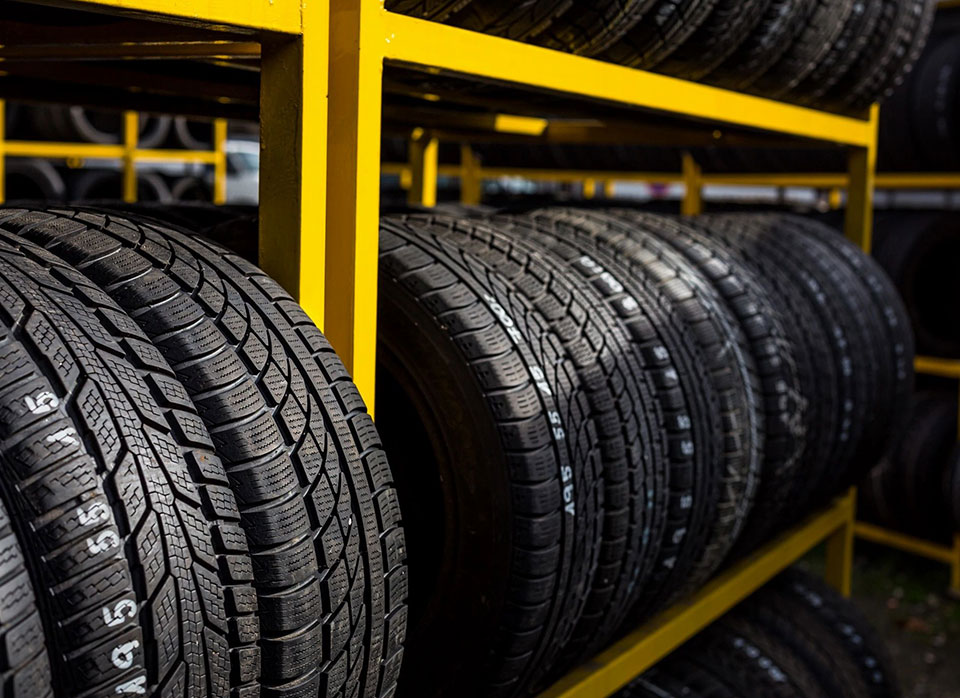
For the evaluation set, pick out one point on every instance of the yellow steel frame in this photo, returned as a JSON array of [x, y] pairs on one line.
[[948, 554], [321, 82], [644, 647], [127, 152]]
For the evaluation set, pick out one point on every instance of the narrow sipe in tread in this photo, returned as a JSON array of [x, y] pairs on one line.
[[131, 526], [24, 665], [303, 458]]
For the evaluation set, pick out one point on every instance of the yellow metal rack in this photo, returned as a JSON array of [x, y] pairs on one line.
[[324, 70], [127, 152]]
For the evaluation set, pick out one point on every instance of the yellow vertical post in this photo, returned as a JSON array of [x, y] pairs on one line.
[[692, 204], [3, 151], [589, 188], [863, 172], [220, 161], [131, 133], [293, 158], [835, 198], [609, 188], [424, 154], [357, 43], [471, 181], [839, 571]]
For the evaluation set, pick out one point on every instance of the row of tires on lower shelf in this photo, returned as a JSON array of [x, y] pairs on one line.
[[34, 179], [589, 412], [835, 54], [795, 638], [587, 415]]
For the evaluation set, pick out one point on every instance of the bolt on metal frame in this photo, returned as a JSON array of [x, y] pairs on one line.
[[126, 151]]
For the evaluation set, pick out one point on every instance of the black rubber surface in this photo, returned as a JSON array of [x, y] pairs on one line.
[[722, 33], [810, 44], [664, 27], [24, 666], [762, 320], [520, 20], [589, 27], [542, 487], [695, 513], [768, 42], [864, 649], [628, 422], [730, 367], [114, 487], [809, 323], [304, 461]]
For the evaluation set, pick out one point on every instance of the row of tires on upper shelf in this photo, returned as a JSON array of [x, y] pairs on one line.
[[590, 412], [587, 414], [833, 54]]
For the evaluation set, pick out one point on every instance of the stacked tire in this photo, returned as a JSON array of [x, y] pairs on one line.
[[834, 54], [193, 500], [590, 412], [796, 637], [916, 486]]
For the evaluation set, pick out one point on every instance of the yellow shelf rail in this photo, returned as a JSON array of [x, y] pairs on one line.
[[641, 649], [127, 152]]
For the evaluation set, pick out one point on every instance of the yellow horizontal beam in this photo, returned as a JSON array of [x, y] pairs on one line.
[[909, 544], [95, 151], [201, 157], [945, 368], [43, 149], [640, 650], [270, 15], [439, 47]]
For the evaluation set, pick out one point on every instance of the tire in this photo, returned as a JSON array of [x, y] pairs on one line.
[[893, 337], [806, 328], [192, 134], [810, 44], [847, 317], [506, 371], [520, 21], [34, 180], [24, 666], [764, 47], [864, 649], [301, 453], [666, 25], [132, 530], [694, 518], [590, 28], [675, 676], [620, 389], [729, 365], [74, 123], [778, 366], [802, 631], [935, 86], [190, 189], [919, 251], [843, 52], [750, 660], [951, 488], [723, 33], [881, 67]]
